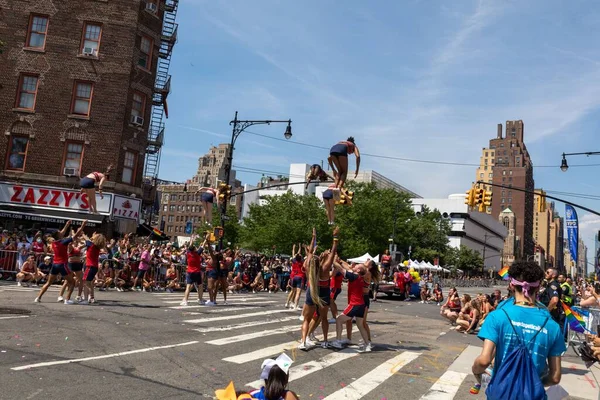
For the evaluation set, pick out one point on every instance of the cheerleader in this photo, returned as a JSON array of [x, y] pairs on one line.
[[317, 173], [208, 197], [338, 160], [88, 186]]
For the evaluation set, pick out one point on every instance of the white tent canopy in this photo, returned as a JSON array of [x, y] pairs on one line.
[[364, 258]]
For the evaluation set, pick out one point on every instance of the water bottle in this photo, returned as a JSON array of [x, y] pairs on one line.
[[485, 380]]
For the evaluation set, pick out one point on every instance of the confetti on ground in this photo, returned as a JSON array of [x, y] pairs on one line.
[[213, 369], [342, 384], [67, 338], [321, 387], [411, 380], [37, 345]]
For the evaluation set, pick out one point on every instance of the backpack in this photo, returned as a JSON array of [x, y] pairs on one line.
[[517, 377]]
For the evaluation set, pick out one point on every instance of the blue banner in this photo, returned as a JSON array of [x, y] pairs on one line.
[[572, 231], [189, 228]]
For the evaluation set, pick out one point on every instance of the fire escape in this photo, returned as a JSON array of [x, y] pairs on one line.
[[162, 87]]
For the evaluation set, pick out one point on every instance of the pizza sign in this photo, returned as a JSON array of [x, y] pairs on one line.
[[127, 208]]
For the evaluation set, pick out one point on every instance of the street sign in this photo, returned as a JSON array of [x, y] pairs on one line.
[[225, 218]]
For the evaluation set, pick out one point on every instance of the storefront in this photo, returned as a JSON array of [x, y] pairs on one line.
[[25, 207]]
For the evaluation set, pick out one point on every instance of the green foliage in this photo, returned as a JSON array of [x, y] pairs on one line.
[[429, 235], [468, 259], [232, 226], [2, 44]]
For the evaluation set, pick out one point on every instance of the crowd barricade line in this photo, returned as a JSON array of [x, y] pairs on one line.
[[468, 283], [10, 261]]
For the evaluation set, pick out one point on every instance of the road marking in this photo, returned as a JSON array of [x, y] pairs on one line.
[[300, 371], [368, 382], [228, 317], [15, 316], [253, 335], [221, 309], [125, 353], [228, 302], [219, 305], [244, 325], [446, 387], [268, 351]]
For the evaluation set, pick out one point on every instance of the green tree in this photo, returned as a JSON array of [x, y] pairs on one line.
[[284, 221], [428, 233], [468, 259], [231, 229], [368, 223]]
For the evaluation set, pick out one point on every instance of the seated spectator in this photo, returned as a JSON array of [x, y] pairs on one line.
[[468, 322], [172, 279], [246, 281], [438, 295], [236, 284], [258, 284], [274, 283], [465, 311], [123, 279], [44, 267], [29, 272], [424, 292], [451, 307]]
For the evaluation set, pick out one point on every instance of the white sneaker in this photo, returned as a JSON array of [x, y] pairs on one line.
[[78, 299], [210, 303], [309, 343], [37, 300], [302, 346], [421, 302], [331, 320], [19, 284], [69, 302], [183, 303], [301, 318], [92, 301], [201, 302], [286, 305], [337, 344], [270, 291], [60, 298], [365, 349], [438, 304]]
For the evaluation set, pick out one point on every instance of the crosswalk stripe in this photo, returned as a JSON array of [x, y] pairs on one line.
[[267, 351], [228, 304], [221, 309], [244, 325], [302, 370], [237, 316], [369, 381], [172, 300], [446, 386], [253, 335]]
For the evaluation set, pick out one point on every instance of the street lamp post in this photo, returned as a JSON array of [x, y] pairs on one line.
[[238, 128], [564, 166]]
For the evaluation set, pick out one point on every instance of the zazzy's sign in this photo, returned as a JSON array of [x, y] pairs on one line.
[[51, 198], [127, 207]]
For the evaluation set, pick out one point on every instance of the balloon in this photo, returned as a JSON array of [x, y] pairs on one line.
[[406, 263]]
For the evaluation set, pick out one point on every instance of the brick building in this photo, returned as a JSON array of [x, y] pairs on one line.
[[485, 172], [513, 167], [83, 84]]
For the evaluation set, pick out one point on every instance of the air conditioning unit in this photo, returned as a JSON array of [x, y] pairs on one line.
[[70, 171], [137, 120], [89, 51], [151, 7]]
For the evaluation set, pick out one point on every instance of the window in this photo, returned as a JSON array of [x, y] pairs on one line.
[[500, 160], [170, 218], [510, 200], [17, 153], [501, 144], [129, 167], [486, 153], [510, 193], [503, 172], [485, 168], [90, 44], [27, 92], [145, 59], [491, 175], [169, 229], [36, 34], [503, 193], [165, 208], [172, 208], [485, 161], [510, 172], [510, 178], [73, 155], [518, 160], [173, 197], [481, 175], [82, 98], [513, 132], [138, 104]]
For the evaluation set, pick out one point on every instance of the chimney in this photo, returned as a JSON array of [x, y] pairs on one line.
[[499, 131]]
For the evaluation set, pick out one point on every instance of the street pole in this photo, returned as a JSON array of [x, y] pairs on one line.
[[238, 128], [485, 236]]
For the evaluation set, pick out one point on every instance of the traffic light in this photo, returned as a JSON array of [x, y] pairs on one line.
[[487, 198], [222, 191], [227, 192], [470, 199], [541, 202], [218, 232], [479, 196]]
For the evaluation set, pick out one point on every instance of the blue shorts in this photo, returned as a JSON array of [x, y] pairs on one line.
[[297, 282], [324, 295], [76, 267], [339, 150], [334, 293], [355, 311], [328, 194], [90, 274], [208, 197], [223, 273], [59, 269], [194, 277], [141, 273], [212, 274], [87, 183]]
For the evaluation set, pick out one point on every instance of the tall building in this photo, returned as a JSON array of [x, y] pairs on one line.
[[485, 172], [543, 218], [211, 166], [582, 264], [508, 219], [83, 84], [597, 254], [382, 182], [556, 242], [513, 167]]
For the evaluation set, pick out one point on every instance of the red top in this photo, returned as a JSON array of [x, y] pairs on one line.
[[60, 249], [91, 255], [75, 252], [385, 259], [400, 279], [38, 247], [194, 260], [297, 270], [336, 282], [355, 289], [98, 178]]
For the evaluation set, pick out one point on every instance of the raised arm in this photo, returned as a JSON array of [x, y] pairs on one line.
[[80, 230], [64, 230], [357, 154], [331, 256]]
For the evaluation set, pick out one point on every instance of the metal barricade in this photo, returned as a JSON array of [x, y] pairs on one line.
[[591, 317]]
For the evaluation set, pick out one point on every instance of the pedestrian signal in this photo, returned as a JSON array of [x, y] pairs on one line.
[[218, 232]]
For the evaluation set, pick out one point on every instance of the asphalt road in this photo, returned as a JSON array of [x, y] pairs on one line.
[[143, 345]]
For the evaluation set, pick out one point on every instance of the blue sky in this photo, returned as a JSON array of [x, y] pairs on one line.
[[415, 79]]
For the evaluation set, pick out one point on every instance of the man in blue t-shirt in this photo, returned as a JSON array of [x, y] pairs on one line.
[[527, 318]]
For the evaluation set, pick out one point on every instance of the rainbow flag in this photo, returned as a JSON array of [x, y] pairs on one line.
[[504, 273], [575, 320]]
